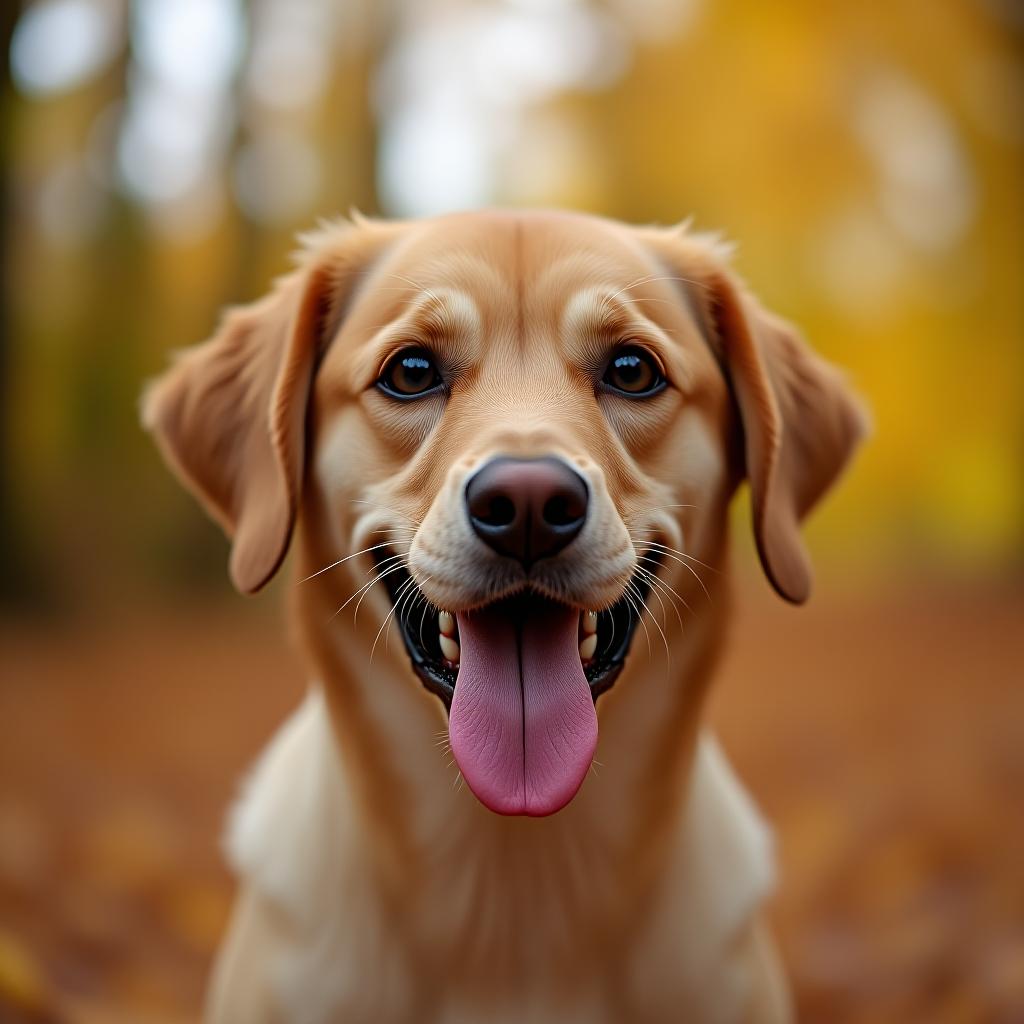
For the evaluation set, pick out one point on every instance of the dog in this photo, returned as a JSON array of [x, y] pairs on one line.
[[502, 445]]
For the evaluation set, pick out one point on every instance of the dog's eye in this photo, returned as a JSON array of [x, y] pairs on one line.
[[633, 372], [409, 374]]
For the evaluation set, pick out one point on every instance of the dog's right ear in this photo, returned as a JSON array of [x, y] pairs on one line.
[[801, 422], [230, 415]]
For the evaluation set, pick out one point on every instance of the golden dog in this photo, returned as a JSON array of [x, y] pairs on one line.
[[511, 437]]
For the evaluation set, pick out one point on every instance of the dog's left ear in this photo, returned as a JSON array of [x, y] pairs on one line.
[[230, 415], [801, 423]]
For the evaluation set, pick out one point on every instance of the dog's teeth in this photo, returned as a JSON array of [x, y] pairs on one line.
[[589, 623], [446, 623], [450, 649], [588, 647]]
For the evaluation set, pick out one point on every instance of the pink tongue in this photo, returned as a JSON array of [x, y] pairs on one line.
[[522, 725]]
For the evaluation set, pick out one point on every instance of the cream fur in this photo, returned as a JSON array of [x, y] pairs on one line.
[[295, 840]]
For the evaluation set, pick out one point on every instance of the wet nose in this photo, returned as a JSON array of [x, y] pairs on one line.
[[527, 509]]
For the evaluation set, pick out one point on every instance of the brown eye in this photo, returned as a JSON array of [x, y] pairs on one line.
[[634, 372], [410, 374]]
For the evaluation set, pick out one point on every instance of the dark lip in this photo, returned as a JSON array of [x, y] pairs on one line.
[[417, 619]]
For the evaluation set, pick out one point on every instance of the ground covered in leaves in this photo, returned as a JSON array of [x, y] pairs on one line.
[[883, 734]]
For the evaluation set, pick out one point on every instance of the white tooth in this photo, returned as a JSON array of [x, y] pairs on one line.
[[449, 648], [589, 622], [588, 647], [446, 623]]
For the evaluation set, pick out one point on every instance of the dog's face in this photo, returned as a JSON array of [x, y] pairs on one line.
[[530, 424]]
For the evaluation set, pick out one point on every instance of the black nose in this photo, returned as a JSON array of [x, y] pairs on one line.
[[527, 509]]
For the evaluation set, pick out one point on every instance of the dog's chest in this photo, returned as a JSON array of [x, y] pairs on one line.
[[490, 965], [496, 925]]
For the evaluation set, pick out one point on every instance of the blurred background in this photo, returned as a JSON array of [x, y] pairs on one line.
[[156, 159]]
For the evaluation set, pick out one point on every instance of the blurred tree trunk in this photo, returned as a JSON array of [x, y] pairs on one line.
[[12, 563], [341, 125]]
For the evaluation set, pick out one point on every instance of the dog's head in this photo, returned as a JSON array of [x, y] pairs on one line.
[[530, 423]]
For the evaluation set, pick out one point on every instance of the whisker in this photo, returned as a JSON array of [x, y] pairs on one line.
[[364, 588], [639, 618], [399, 565], [410, 582], [652, 574], [676, 555], [385, 508], [658, 508], [610, 645], [355, 554], [689, 568], [653, 581], [386, 561], [398, 536], [427, 606], [423, 619], [656, 594], [420, 596], [407, 609], [683, 554], [654, 619], [399, 612]]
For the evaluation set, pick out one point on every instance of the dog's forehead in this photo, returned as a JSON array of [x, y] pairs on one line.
[[515, 274], [535, 262]]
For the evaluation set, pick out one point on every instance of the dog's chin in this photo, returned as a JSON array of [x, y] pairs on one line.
[[420, 623], [519, 677]]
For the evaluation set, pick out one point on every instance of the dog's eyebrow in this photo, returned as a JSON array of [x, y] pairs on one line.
[[603, 308], [599, 311], [432, 314], [593, 308], [443, 312], [440, 317]]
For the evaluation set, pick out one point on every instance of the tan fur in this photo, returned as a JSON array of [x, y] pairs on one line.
[[375, 887]]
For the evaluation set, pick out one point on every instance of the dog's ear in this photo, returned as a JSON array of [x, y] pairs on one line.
[[230, 415], [801, 423]]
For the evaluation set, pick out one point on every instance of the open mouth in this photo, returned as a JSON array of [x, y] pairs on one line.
[[519, 678], [432, 637]]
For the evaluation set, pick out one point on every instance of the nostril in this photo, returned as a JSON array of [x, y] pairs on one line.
[[526, 509], [498, 511], [561, 510]]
